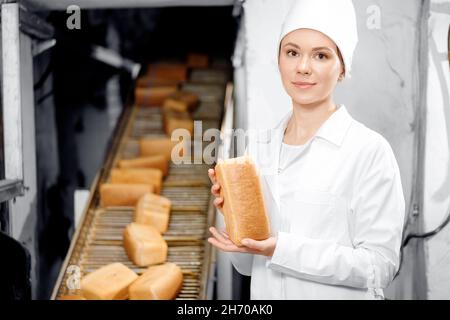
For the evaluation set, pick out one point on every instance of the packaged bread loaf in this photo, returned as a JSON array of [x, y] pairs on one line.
[[110, 282], [144, 245], [150, 176], [243, 205], [160, 146], [177, 120], [153, 96], [154, 210], [181, 101], [161, 282], [157, 162], [115, 194]]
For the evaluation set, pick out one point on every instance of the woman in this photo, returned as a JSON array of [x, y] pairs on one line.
[[331, 186]]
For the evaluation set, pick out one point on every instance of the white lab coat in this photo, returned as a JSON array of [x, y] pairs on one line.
[[339, 231]]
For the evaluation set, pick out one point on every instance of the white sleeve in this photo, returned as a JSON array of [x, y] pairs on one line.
[[242, 262], [379, 208]]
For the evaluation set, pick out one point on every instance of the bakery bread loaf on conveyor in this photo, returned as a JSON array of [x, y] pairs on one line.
[[156, 161], [110, 282], [161, 282], [173, 120], [152, 96], [144, 245], [181, 101], [154, 210], [117, 195], [243, 205], [166, 70], [149, 81], [197, 60], [150, 176], [160, 146], [71, 297]]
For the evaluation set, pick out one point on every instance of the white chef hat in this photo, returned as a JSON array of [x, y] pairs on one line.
[[334, 18]]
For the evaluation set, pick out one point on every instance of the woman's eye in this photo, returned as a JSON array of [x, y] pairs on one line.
[[321, 56], [291, 53]]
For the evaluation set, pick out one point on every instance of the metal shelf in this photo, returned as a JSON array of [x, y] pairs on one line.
[[98, 4], [10, 189]]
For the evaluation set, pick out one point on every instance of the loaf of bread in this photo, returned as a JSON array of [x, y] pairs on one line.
[[181, 101], [161, 282], [160, 146], [144, 245], [153, 96], [164, 70], [71, 297], [177, 120], [110, 282], [113, 194], [243, 205], [149, 81], [197, 60], [150, 176], [156, 162], [154, 210]]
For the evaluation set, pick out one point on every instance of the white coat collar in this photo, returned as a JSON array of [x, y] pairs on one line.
[[333, 130]]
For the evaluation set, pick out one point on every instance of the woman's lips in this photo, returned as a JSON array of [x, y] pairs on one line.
[[304, 85]]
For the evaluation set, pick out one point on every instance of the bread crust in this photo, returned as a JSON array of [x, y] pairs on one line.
[[156, 162], [243, 206], [115, 194]]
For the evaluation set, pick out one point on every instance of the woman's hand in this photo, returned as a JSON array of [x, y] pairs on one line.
[[222, 241]]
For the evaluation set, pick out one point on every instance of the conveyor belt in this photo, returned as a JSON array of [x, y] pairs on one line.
[[98, 238]]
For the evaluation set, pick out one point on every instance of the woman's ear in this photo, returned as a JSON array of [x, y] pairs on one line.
[[342, 74], [341, 59]]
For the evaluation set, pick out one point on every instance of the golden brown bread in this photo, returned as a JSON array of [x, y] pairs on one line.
[[161, 282], [181, 101], [144, 245], [177, 120], [113, 194], [160, 146], [156, 161], [154, 210], [153, 96], [110, 282], [197, 60], [149, 81], [164, 70], [150, 176], [243, 205], [71, 297]]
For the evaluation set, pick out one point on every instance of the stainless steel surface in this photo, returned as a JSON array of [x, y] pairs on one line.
[[10, 189], [11, 92]]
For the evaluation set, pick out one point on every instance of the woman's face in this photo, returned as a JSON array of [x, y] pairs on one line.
[[309, 65]]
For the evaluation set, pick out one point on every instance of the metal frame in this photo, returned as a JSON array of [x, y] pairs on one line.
[[12, 105], [98, 4], [415, 220], [34, 26], [10, 189]]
